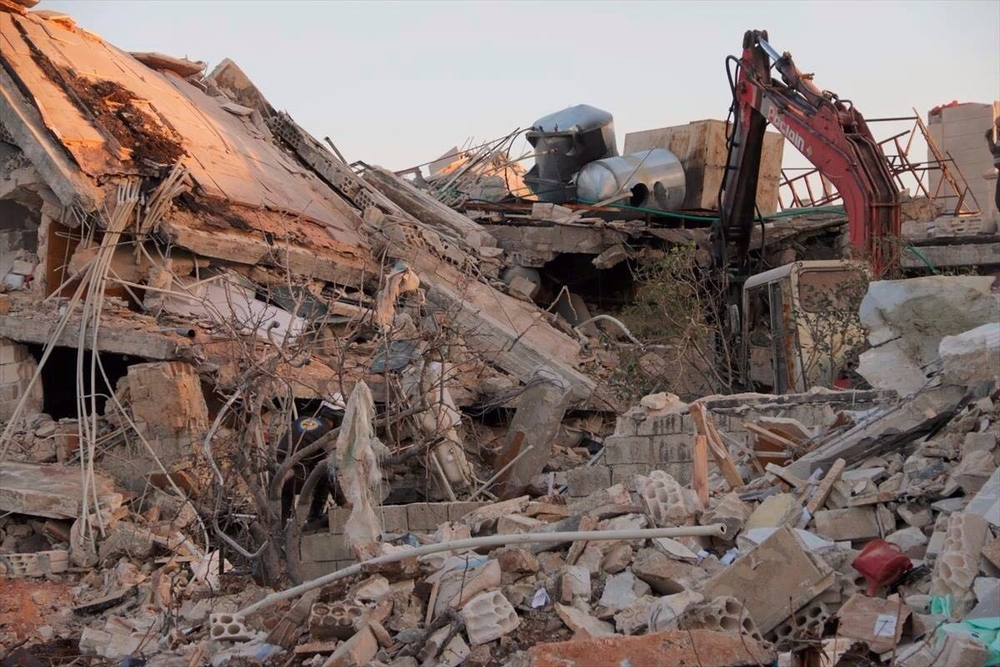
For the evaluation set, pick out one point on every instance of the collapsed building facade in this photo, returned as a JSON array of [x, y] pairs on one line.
[[223, 326]]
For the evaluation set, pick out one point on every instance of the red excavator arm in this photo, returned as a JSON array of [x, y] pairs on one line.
[[828, 131]]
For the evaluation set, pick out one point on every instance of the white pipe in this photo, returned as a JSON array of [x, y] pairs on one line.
[[713, 530]]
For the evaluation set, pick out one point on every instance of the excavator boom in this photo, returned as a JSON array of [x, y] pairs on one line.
[[828, 131]]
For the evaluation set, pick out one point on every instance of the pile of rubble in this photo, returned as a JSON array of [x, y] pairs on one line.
[[874, 538], [261, 406]]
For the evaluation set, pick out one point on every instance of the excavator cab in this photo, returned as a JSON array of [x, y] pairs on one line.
[[800, 324]]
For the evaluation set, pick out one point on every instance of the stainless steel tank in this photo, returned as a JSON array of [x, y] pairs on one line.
[[565, 141], [647, 179]]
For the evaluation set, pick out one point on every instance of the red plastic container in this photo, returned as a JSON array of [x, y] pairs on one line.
[[882, 563]]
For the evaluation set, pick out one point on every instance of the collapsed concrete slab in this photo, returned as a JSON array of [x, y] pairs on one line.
[[906, 320], [52, 491]]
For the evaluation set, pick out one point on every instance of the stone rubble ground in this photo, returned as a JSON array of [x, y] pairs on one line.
[[837, 528], [780, 587]]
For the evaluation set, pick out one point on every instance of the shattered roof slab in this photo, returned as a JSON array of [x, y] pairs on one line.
[[92, 112]]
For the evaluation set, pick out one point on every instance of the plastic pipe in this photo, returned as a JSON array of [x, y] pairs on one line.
[[713, 530]]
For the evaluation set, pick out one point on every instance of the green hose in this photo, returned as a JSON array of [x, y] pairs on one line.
[[705, 218]]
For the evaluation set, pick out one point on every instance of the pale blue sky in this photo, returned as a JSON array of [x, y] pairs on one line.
[[398, 83]]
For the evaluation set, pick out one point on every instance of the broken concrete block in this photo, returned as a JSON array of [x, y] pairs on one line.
[[51, 490], [987, 590], [971, 357], [672, 647], [583, 624], [337, 620], [539, 414], [665, 575], [781, 509], [635, 617], [372, 589], [488, 616], [853, 523], [911, 541], [617, 558], [875, 621], [731, 511], [574, 583], [168, 406], [954, 649], [454, 652], [774, 580], [915, 515], [516, 524], [958, 563], [228, 628], [668, 503], [667, 610], [620, 591], [357, 651], [38, 564], [979, 442], [986, 503], [906, 321], [991, 553], [486, 516], [126, 539], [972, 471], [471, 583], [514, 560], [803, 623], [721, 614]]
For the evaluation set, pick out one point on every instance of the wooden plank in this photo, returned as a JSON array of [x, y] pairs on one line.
[[772, 437], [699, 479], [703, 424], [785, 476], [826, 486]]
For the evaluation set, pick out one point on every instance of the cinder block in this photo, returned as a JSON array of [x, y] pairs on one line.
[[488, 616], [456, 511], [623, 474], [583, 481], [12, 352], [317, 569], [630, 449], [324, 547], [228, 628], [958, 564], [665, 425], [665, 499], [393, 519], [338, 519], [337, 620], [853, 523], [426, 517], [673, 449], [10, 392], [721, 614]]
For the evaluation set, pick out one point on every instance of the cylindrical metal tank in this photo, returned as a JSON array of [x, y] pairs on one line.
[[565, 141], [648, 179]]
